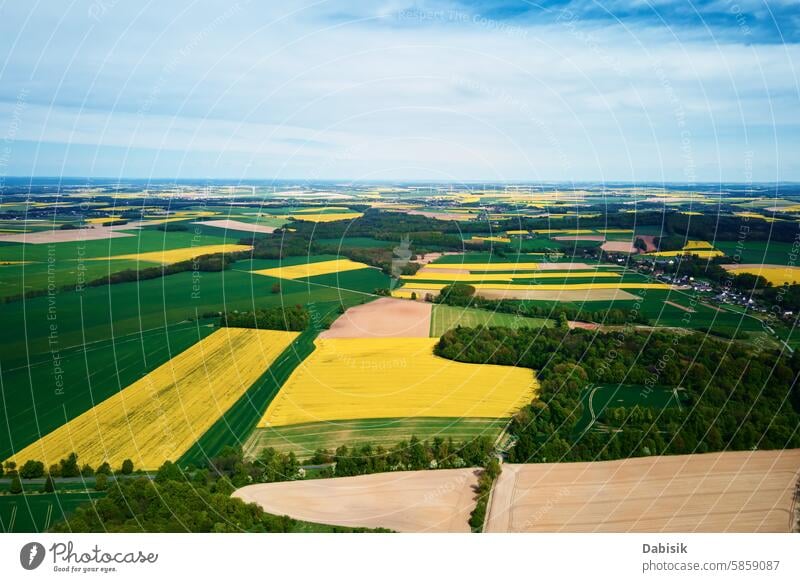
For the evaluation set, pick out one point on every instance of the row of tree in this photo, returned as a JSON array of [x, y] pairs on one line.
[[281, 318]]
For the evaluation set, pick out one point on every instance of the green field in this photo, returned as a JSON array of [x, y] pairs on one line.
[[596, 399], [445, 317], [37, 512], [99, 313], [67, 263], [305, 439], [233, 427], [758, 252], [41, 395]]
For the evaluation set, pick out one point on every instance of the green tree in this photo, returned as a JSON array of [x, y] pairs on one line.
[[32, 470], [69, 466], [16, 485], [101, 482], [104, 469], [49, 485], [127, 467]]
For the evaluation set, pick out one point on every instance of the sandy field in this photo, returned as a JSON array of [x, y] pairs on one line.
[[595, 237], [385, 317], [615, 246], [679, 306], [582, 325], [716, 492], [44, 237], [229, 224], [404, 501], [430, 257]]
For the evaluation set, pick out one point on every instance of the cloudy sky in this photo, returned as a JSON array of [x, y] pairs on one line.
[[571, 90]]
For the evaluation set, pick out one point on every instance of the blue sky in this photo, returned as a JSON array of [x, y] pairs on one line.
[[571, 90]]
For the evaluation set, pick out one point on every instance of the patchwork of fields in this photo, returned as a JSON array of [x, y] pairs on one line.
[[141, 370], [160, 416]]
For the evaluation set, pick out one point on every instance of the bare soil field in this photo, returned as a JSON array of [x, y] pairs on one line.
[[404, 501], [44, 237], [614, 246], [228, 224], [649, 240], [715, 492], [582, 325], [679, 306], [430, 257], [384, 317]]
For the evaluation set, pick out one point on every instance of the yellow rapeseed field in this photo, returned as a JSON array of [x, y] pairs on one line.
[[328, 217], [104, 220], [312, 269], [755, 215], [775, 274], [541, 287], [347, 379], [507, 276], [177, 255], [498, 239], [564, 231], [513, 232], [160, 416], [701, 253], [697, 244]]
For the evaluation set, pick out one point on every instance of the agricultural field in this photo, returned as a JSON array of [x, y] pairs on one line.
[[36, 513], [39, 397], [758, 252], [304, 439], [161, 416], [382, 318], [775, 274], [445, 317], [176, 255], [404, 501], [338, 382], [312, 269], [748, 491], [77, 262]]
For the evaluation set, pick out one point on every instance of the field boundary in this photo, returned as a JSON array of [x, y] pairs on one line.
[[238, 422]]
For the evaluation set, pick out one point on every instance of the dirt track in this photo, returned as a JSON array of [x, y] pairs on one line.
[[716, 492], [385, 317], [404, 501]]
